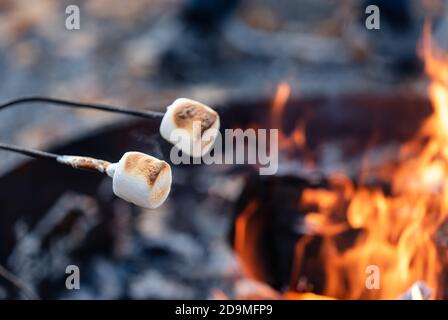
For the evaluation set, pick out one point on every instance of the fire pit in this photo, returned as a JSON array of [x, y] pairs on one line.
[[73, 218], [293, 230], [356, 210], [363, 214]]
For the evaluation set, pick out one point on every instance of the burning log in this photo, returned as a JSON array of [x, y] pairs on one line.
[[181, 115], [137, 178]]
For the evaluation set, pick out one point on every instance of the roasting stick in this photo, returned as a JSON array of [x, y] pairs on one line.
[[73, 161], [72, 104], [29, 152], [188, 124], [137, 178]]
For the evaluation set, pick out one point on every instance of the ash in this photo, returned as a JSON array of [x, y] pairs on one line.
[[178, 251]]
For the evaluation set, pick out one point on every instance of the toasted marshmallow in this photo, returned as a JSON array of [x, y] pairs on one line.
[[191, 126], [141, 179]]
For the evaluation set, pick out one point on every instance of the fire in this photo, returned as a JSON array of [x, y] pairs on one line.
[[280, 100], [245, 241], [395, 230], [297, 139]]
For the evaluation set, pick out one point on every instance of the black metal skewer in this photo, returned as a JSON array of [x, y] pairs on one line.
[[76, 162], [29, 152], [114, 109]]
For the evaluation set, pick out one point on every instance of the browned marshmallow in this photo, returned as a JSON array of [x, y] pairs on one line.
[[141, 179], [191, 126]]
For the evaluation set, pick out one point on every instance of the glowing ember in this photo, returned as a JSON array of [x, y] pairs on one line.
[[395, 230]]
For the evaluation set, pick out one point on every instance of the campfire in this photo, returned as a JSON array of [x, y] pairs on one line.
[[362, 217], [377, 233], [337, 190]]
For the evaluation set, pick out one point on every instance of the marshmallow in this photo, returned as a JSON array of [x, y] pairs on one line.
[[191, 126], [141, 179]]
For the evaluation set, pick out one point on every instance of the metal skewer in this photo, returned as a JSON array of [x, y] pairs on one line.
[[77, 162], [72, 104], [180, 115], [137, 178]]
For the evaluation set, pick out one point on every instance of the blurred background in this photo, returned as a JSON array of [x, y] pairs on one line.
[[145, 53], [148, 52]]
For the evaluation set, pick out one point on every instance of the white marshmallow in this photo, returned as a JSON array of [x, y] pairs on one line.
[[191, 126], [141, 179]]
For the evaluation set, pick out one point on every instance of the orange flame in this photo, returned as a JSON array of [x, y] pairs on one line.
[[280, 100], [297, 139], [395, 230], [245, 241]]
